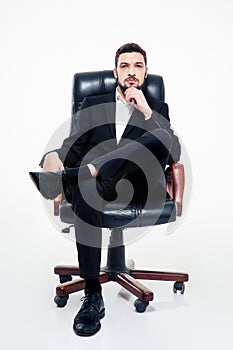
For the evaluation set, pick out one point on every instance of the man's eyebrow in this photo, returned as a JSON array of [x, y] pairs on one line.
[[138, 62]]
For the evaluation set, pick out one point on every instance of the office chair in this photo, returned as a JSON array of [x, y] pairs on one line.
[[117, 268]]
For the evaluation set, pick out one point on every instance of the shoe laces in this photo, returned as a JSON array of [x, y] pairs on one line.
[[88, 300]]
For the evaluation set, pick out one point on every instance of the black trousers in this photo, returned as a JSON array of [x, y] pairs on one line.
[[142, 162]]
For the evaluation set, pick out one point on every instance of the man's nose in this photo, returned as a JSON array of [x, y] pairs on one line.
[[131, 71]]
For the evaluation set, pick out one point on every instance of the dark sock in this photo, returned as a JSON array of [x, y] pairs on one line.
[[84, 172], [74, 175], [92, 286]]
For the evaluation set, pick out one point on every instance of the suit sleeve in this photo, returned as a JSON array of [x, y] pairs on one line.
[[161, 120]]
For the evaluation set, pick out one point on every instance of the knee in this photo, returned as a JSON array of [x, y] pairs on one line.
[[157, 140], [162, 135]]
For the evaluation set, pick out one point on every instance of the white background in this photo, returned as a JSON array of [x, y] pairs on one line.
[[189, 43]]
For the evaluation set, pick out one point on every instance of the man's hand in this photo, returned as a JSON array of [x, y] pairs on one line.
[[52, 162], [133, 94]]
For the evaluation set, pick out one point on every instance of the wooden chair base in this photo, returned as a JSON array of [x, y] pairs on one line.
[[127, 278]]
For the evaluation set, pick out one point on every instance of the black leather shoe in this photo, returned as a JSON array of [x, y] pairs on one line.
[[87, 321], [49, 184]]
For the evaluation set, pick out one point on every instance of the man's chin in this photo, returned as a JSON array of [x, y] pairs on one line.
[[125, 87]]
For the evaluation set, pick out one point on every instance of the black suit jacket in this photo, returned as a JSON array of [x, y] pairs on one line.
[[93, 133]]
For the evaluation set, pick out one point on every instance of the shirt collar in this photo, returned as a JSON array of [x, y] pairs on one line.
[[119, 98]]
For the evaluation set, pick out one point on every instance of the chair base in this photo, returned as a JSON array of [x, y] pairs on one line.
[[128, 280], [120, 271]]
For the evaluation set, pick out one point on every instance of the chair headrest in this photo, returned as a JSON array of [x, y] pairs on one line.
[[102, 82]]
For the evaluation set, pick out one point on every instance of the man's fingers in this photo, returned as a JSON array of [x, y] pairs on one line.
[[132, 94]]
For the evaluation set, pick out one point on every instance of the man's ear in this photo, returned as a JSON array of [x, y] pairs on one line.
[[115, 72]]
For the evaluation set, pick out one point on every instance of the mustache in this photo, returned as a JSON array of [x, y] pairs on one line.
[[131, 77], [124, 87]]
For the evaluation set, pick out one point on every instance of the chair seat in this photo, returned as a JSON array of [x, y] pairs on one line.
[[133, 215]]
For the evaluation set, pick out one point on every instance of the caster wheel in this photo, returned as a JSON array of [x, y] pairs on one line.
[[179, 286], [61, 301], [140, 305], [64, 278]]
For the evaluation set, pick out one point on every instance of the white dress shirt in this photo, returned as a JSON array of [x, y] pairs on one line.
[[123, 114]]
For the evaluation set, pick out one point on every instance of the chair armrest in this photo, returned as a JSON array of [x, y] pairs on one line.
[[175, 184], [56, 204]]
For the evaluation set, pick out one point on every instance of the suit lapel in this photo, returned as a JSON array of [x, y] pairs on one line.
[[110, 109], [135, 122]]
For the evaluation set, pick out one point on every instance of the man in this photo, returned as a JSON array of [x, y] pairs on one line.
[[122, 134]]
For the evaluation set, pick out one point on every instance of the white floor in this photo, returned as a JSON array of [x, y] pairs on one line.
[[202, 318]]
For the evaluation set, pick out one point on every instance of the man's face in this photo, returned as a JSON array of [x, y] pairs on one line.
[[130, 70]]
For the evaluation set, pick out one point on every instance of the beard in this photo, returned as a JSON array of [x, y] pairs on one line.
[[124, 87]]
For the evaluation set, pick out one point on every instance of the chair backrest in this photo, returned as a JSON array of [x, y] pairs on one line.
[[101, 82]]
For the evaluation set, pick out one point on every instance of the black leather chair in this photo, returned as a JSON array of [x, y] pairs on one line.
[[134, 215]]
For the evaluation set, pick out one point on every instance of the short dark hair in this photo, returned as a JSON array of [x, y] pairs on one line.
[[130, 47]]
